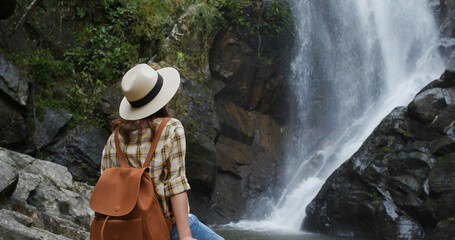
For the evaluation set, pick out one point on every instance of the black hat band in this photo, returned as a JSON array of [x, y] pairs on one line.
[[150, 96]]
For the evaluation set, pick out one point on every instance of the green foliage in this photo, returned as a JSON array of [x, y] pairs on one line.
[[107, 56], [237, 12], [204, 21], [46, 70], [180, 61], [84, 166], [374, 195], [258, 18], [266, 17], [110, 36], [278, 20], [264, 61], [388, 149], [152, 18], [47, 74]]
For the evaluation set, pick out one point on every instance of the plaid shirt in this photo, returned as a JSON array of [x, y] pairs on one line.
[[168, 162]]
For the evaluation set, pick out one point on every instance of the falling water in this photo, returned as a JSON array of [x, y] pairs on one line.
[[355, 61]]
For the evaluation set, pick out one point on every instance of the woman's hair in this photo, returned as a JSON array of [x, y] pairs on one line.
[[127, 126]]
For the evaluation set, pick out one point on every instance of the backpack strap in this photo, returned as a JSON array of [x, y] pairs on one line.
[[156, 138], [118, 149], [155, 141]]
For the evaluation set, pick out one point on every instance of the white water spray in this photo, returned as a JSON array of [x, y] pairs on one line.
[[356, 60]]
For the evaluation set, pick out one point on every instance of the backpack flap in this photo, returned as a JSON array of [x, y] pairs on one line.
[[117, 191]]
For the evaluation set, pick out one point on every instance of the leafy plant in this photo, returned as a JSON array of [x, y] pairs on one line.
[[152, 18]]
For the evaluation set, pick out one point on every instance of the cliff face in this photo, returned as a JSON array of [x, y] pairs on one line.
[[250, 97], [400, 184]]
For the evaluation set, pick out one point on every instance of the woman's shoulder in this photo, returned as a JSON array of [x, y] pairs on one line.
[[173, 122]]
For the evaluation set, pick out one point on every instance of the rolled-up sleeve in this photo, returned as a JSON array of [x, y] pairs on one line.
[[177, 181]]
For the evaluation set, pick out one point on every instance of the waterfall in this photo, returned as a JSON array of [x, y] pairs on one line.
[[355, 61]]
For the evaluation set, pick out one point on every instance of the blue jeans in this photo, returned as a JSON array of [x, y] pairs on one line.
[[198, 230]]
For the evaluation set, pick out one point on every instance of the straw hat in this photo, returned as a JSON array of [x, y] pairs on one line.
[[146, 91]]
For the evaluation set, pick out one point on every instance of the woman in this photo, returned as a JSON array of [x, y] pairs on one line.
[[146, 95]]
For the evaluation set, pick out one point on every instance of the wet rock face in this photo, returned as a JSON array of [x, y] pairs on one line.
[[251, 78], [444, 12], [201, 129], [401, 183], [445, 16], [40, 200], [233, 118], [248, 87]]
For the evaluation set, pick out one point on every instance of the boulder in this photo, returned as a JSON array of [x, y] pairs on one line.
[[400, 184], [8, 176], [17, 226], [444, 230], [47, 127], [14, 93], [427, 104], [80, 150], [12, 83], [44, 202]]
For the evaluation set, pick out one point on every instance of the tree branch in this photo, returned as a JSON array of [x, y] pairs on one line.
[[27, 10]]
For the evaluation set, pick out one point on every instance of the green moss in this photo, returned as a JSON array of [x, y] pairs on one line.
[[278, 20], [92, 180], [388, 149], [374, 195], [441, 162], [84, 166], [196, 158], [407, 134], [31, 123], [42, 156], [264, 61]]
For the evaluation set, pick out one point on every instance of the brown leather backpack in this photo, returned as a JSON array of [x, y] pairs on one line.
[[125, 203]]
